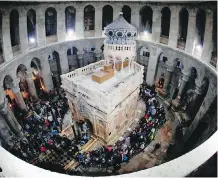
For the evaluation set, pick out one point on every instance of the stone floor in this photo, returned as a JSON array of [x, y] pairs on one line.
[[148, 158]]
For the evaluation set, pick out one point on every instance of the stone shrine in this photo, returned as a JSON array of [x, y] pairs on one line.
[[108, 103]]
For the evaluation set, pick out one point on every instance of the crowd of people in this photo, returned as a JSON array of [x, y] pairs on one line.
[[133, 143], [43, 125]]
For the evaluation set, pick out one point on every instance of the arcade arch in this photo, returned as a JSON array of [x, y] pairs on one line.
[[160, 70], [31, 26], [55, 67], [72, 58]]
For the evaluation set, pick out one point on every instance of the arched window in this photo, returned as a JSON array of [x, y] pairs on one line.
[[165, 21], [127, 13], [183, 24], [107, 16], [31, 26], [70, 19], [89, 18], [14, 28], [50, 21], [146, 15], [200, 26]]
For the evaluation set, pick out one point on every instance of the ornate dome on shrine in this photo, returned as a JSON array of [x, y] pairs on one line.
[[120, 32]]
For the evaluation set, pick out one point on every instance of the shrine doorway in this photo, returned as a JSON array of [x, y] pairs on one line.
[[85, 127], [89, 125]]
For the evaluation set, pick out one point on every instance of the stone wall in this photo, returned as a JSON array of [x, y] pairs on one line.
[[203, 70]]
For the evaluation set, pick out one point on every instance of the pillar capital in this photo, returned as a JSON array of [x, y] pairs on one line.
[[22, 12], [153, 50], [29, 73], [192, 12], [198, 90], [80, 54], [170, 68], [185, 77], [209, 11], [97, 53], [16, 88]]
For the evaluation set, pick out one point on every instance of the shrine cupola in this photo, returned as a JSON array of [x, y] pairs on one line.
[[120, 32]]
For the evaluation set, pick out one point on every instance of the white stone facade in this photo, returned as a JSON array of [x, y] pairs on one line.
[[91, 98]]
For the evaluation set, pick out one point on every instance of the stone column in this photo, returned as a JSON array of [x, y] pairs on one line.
[[6, 134], [98, 22], [208, 100], [8, 115], [97, 53], [40, 26], [152, 64], [195, 103], [79, 23], [61, 27], [80, 58], [116, 11], [46, 75], [156, 25], [31, 85], [167, 79], [64, 62], [6, 37], [174, 27], [182, 88], [191, 32], [135, 17], [18, 96], [24, 44], [208, 35]]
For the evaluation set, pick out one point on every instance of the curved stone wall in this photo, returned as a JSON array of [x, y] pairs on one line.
[[203, 70], [154, 43], [172, 40]]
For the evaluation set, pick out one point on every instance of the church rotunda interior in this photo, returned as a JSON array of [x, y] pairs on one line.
[[104, 88]]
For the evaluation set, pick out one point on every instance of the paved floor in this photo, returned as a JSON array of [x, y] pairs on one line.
[[148, 158]]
